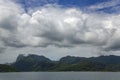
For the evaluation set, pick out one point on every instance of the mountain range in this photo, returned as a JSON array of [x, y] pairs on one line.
[[33, 62], [69, 63]]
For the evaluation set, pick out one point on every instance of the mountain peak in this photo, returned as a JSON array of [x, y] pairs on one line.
[[20, 57], [32, 57]]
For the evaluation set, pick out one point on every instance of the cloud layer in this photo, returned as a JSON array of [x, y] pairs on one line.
[[61, 27]]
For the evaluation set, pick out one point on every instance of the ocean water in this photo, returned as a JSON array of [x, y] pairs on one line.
[[60, 76]]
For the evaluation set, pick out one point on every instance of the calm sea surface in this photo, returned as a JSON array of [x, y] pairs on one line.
[[61, 76]]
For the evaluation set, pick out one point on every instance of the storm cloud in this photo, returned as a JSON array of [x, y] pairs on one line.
[[53, 25]]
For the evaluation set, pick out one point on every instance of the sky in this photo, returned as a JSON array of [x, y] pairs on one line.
[[57, 28]]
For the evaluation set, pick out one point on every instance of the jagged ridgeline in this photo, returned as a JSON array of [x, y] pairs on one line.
[[33, 62]]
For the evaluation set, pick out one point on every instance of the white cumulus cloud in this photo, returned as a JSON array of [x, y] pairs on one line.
[[61, 27]]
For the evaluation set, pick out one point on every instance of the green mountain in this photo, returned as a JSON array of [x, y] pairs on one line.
[[68, 63], [32, 63], [71, 59]]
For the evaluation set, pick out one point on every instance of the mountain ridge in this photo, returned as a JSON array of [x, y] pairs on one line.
[[32, 62], [68, 63]]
